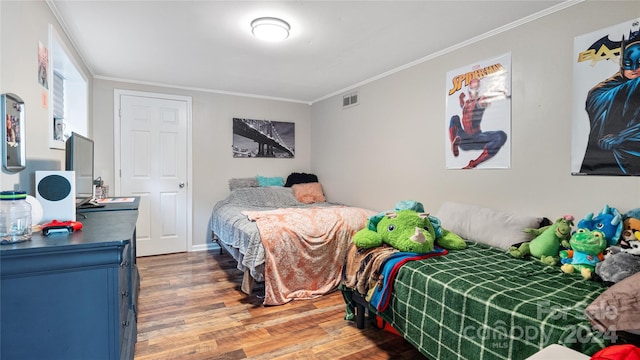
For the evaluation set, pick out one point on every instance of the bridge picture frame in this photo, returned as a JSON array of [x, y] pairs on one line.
[[263, 139]]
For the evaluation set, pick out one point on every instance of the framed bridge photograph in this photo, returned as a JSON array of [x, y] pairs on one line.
[[263, 138]]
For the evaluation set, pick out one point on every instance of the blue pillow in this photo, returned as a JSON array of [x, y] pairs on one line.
[[270, 181]]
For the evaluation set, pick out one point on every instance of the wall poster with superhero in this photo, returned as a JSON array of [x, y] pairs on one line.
[[606, 101], [478, 115]]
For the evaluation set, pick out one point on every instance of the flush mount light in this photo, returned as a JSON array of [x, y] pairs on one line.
[[270, 29]]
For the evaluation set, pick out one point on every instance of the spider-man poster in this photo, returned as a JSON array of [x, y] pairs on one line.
[[606, 124], [478, 115]]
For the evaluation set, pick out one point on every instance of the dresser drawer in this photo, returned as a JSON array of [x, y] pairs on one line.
[[124, 291], [128, 343]]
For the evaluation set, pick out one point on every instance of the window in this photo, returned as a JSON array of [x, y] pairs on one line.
[[58, 107], [68, 93]]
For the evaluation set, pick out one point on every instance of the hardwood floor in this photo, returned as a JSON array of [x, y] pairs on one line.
[[191, 307]]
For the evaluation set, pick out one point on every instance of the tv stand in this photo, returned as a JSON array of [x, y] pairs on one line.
[[72, 296]]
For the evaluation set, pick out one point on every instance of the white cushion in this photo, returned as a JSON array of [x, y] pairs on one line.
[[484, 225], [555, 351]]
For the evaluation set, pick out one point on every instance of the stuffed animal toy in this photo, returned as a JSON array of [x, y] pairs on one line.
[[623, 260], [587, 248], [407, 230], [546, 245], [619, 266], [618, 352], [609, 222], [631, 225]]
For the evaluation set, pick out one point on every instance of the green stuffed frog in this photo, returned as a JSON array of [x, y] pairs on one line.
[[409, 231], [587, 248]]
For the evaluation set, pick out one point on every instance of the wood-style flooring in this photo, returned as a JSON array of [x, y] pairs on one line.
[[191, 307]]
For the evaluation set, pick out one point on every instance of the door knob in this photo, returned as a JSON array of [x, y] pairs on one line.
[[181, 185]]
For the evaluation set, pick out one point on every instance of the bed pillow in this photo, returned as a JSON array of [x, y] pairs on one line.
[[242, 182], [263, 197], [308, 193], [270, 181], [618, 308], [300, 178], [484, 225]]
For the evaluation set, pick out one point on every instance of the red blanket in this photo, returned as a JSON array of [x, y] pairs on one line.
[[305, 249]]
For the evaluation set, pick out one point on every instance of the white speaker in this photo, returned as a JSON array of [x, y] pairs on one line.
[[56, 192]]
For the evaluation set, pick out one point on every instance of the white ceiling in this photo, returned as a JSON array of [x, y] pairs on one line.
[[334, 46]]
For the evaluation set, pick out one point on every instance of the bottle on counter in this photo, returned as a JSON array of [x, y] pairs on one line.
[[15, 217]]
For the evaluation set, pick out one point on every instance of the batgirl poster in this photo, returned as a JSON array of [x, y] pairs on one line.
[[478, 115], [606, 120]]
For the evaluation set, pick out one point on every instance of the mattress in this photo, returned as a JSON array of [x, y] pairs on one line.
[[239, 235], [481, 303]]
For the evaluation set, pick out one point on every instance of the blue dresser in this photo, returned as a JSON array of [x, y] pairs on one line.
[[72, 296]]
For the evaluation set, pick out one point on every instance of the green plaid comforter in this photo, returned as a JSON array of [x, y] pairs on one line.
[[480, 303]]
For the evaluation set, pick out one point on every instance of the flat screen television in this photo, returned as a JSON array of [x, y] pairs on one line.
[[79, 158]]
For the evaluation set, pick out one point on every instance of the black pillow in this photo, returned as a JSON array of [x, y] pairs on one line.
[[300, 178]]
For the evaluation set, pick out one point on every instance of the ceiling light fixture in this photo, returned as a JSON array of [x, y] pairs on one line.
[[270, 29]]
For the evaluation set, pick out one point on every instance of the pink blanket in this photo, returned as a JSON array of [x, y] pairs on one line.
[[305, 249]]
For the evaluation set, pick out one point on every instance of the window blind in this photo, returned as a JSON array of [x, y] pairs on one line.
[[58, 95]]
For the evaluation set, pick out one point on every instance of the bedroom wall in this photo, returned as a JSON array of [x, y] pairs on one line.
[[213, 164], [391, 146], [22, 25], [395, 138]]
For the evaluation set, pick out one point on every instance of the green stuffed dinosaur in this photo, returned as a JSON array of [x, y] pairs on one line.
[[546, 245], [409, 231]]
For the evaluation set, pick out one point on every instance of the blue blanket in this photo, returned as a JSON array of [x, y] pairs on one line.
[[382, 291]]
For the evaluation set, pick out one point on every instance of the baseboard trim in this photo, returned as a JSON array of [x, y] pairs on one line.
[[205, 247]]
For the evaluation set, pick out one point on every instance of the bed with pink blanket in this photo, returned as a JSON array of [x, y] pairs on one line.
[[297, 249]]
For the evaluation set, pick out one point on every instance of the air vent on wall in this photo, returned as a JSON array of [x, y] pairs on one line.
[[349, 100]]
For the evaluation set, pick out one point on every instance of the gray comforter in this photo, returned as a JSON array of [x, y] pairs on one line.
[[240, 236]]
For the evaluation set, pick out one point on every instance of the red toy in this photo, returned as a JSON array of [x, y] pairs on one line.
[[56, 226], [619, 352]]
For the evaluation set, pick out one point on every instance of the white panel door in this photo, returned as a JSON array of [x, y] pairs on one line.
[[153, 166]]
